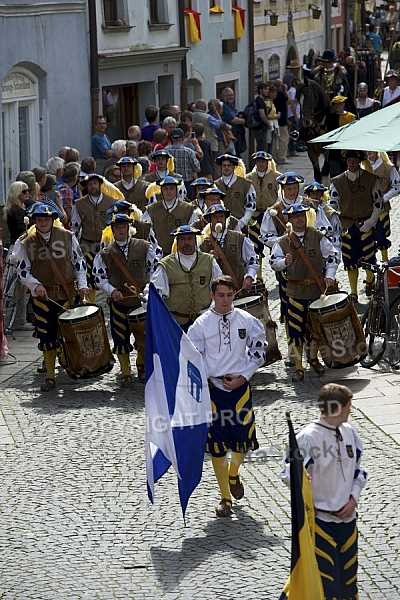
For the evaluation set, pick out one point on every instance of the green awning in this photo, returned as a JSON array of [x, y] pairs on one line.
[[379, 131]]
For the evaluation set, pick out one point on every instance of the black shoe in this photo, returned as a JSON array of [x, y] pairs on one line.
[[298, 376], [236, 487], [224, 508], [317, 366]]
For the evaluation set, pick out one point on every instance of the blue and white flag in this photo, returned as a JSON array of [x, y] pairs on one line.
[[177, 399]]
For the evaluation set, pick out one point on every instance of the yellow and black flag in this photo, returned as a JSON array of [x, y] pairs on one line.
[[304, 582]]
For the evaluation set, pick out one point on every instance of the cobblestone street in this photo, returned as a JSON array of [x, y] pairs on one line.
[[76, 522]]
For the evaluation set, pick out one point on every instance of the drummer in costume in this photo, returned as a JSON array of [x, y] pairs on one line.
[[232, 344], [357, 196], [240, 195], [168, 214], [49, 262], [263, 179], [138, 229], [127, 261], [273, 226], [317, 197], [184, 277], [274, 221], [132, 187], [88, 219], [233, 251], [294, 252], [379, 164], [212, 196], [165, 168]]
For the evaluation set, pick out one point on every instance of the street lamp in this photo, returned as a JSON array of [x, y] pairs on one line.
[[316, 12], [273, 17]]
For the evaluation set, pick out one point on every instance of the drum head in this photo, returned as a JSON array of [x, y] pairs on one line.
[[329, 302], [137, 315], [248, 302], [79, 312], [137, 311]]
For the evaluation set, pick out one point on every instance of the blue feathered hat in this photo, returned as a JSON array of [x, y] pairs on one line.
[[119, 206], [127, 160], [184, 230], [261, 154], [169, 181], [202, 181], [289, 178], [231, 157], [212, 191], [41, 210], [315, 186], [216, 208], [118, 219], [295, 209]]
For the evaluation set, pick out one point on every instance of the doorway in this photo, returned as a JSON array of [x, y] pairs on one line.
[[20, 126]]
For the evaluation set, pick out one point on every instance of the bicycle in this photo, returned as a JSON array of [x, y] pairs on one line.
[[376, 321], [10, 292], [394, 334]]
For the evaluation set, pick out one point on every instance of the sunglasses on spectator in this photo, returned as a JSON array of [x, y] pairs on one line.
[[24, 191]]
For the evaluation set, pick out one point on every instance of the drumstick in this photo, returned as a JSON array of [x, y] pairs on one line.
[[134, 290], [59, 305], [238, 292]]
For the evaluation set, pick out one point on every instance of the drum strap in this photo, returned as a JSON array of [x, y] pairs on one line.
[[318, 278], [65, 287], [125, 271], [218, 250]]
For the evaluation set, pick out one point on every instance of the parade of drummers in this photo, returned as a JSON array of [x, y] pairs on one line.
[[200, 324]]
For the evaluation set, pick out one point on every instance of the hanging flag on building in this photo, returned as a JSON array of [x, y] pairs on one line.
[[177, 401], [239, 21], [194, 25], [304, 582]]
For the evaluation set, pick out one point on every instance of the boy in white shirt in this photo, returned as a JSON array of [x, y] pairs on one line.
[[232, 344], [331, 450]]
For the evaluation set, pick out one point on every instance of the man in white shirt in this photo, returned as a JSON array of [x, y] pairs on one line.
[[232, 344], [49, 262], [364, 105], [240, 195], [293, 114], [88, 219], [357, 196], [391, 92], [126, 261], [183, 277], [302, 286], [233, 251], [379, 164]]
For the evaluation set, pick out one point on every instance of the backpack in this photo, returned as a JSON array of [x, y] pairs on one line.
[[251, 115]]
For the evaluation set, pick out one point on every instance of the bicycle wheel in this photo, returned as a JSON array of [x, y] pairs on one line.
[[10, 298], [375, 323], [394, 341]]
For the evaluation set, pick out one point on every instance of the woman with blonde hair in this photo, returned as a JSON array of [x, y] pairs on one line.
[[14, 213], [14, 210]]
